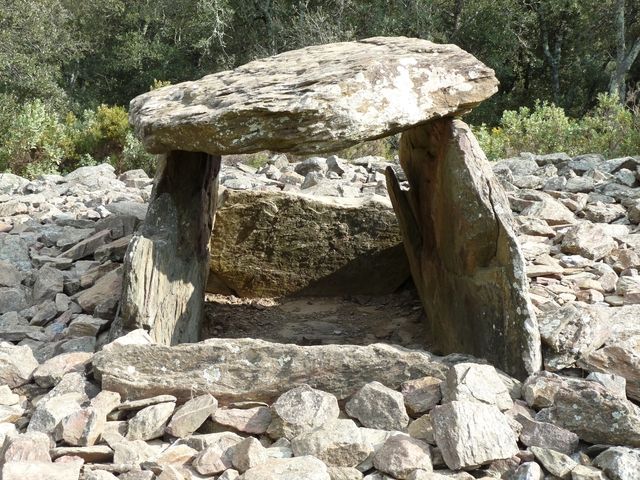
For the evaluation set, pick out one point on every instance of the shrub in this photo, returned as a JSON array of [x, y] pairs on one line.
[[34, 141], [610, 128]]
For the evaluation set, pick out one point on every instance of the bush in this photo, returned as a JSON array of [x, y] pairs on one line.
[[35, 141], [610, 128]]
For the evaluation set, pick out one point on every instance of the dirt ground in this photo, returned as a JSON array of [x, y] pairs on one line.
[[360, 320]]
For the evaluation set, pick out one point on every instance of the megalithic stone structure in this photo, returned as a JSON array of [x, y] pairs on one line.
[[321, 99]]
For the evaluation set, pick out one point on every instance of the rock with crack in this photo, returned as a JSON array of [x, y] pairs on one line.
[[464, 257], [235, 370], [277, 243]]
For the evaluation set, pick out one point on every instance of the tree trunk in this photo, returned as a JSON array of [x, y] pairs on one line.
[[465, 261], [167, 262], [624, 58]]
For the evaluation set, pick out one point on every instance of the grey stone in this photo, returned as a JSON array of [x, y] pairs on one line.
[[556, 463], [13, 299], [306, 467], [422, 394], [400, 455], [378, 406], [589, 240], [17, 365], [547, 435], [476, 383], [247, 454], [370, 111], [217, 455], [190, 416], [619, 463], [337, 443], [255, 370], [150, 422], [471, 434], [50, 412], [301, 409], [254, 420]]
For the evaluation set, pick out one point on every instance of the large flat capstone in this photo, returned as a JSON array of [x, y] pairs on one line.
[[315, 99], [248, 369]]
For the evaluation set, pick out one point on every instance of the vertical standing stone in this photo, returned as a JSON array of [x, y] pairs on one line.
[[167, 263], [464, 257]]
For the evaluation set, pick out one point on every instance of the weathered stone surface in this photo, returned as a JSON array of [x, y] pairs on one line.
[[344, 473], [27, 447], [17, 364], [375, 87], [422, 394], [400, 455], [254, 420], [104, 293], [82, 427], [166, 264], [469, 272], [528, 471], [301, 409], [556, 463], [271, 244], [94, 453], [338, 443], [547, 435], [51, 372], [49, 282], [476, 383], [217, 455], [190, 416], [41, 470], [589, 240], [470, 434], [247, 368], [306, 467], [378, 406], [50, 412], [150, 422], [571, 332], [247, 454], [619, 463], [595, 415], [132, 452]]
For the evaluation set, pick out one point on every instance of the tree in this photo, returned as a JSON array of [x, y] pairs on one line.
[[624, 57]]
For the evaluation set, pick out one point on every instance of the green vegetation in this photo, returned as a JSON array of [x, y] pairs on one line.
[[610, 128], [61, 61]]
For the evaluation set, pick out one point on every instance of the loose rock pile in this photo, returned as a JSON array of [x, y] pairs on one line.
[[68, 413]]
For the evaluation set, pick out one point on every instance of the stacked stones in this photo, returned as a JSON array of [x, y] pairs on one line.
[[464, 421], [69, 413], [62, 244], [578, 224]]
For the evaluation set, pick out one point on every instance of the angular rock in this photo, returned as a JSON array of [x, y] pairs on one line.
[[105, 292], [50, 373], [344, 473], [425, 81], [26, 447], [50, 412], [476, 383], [17, 365], [551, 211], [132, 452], [620, 358], [377, 406], [301, 409], [337, 443], [254, 420], [421, 394], [307, 467], [41, 470], [573, 331], [528, 471], [589, 240], [348, 247], [470, 273], [400, 455], [217, 456], [247, 454], [619, 463], [190, 416], [556, 463], [91, 454], [150, 422], [595, 415], [249, 368], [49, 282], [472, 434], [547, 435], [82, 428], [87, 246], [13, 299]]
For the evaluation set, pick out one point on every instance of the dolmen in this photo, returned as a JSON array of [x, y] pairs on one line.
[[455, 219]]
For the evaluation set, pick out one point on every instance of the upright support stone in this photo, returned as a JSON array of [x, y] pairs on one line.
[[167, 262], [464, 257]]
